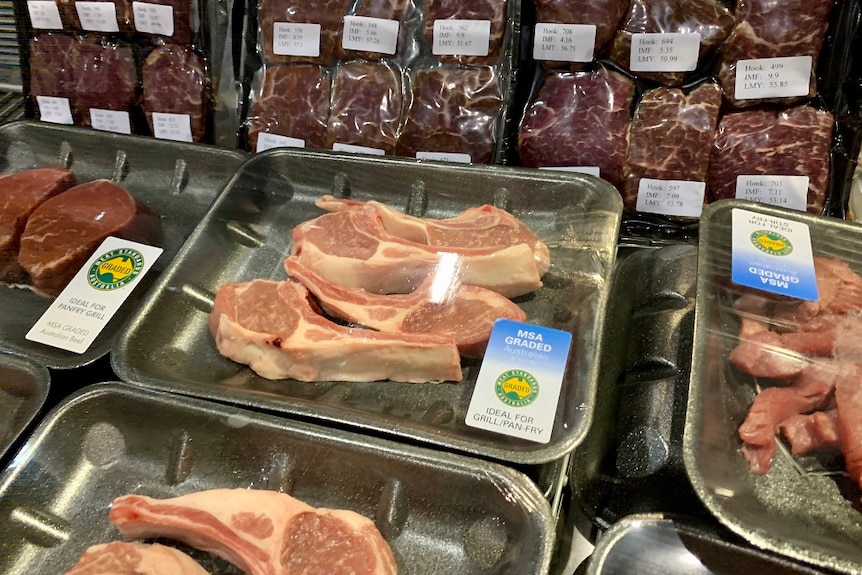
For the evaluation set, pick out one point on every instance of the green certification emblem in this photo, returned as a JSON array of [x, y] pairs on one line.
[[115, 269], [516, 388], [771, 243]]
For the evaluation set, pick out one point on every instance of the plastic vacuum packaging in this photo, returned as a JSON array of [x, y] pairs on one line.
[[146, 190], [24, 387], [105, 84], [680, 36], [569, 34], [578, 120], [111, 440], [97, 16], [425, 79], [771, 437]]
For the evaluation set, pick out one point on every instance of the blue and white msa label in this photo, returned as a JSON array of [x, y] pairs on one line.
[[519, 383], [773, 254]]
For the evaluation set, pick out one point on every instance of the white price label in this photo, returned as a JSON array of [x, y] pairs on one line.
[[454, 157], [90, 300], [564, 42], [353, 149], [772, 78], [55, 110], [44, 15], [461, 37], [671, 197], [591, 170], [671, 52], [370, 34], [110, 121], [784, 191], [153, 18], [97, 16], [266, 141], [177, 127], [289, 39]]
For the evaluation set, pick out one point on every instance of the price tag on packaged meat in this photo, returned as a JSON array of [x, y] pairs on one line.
[[268, 141], [153, 18], [44, 15], [87, 304], [350, 148], [672, 52], [110, 121], [290, 39], [564, 42], [370, 34], [461, 37], [54, 110], [671, 197], [784, 191], [772, 78], [177, 127], [97, 16], [518, 386], [591, 170], [772, 254], [454, 157]]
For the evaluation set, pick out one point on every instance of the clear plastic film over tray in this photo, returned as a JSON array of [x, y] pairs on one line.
[[425, 78], [246, 237], [771, 435], [111, 440], [66, 190], [679, 104]]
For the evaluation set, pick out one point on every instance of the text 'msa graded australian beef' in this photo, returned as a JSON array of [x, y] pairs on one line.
[[354, 248], [261, 532], [275, 329], [133, 558], [62, 233], [20, 194]]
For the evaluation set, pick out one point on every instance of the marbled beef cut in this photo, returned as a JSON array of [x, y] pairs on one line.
[[328, 14], [366, 105], [183, 19], [579, 119], [770, 29], [129, 558], [396, 10], [455, 110], [63, 232], [709, 18], [54, 62], [493, 11], [122, 15], [605, 15], [175, 82], [290, 100], [671, 137], [20, 194], [790, 142], [261, 532], [106, 79]]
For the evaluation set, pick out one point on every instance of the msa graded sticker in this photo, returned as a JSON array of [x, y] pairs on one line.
[[772, 254], [85, 306], [519, 383]]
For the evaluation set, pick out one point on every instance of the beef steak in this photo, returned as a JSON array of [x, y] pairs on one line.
[[62, 233], [122, 9], [175, 82], [54, 62], [396, 10], [328, 14], [767, 29], [106, 79], [138, 558], [183, 17], [366, 105], [20, 194], [261, 532], [455, 110], [605, 15], [578, 119], [789, 142], [493, 11], [467, 313], [293, 101], [671, 137], [271, 327]]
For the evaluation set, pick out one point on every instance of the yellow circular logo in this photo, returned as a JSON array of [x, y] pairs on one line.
[[516, 388], [115, 269]]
